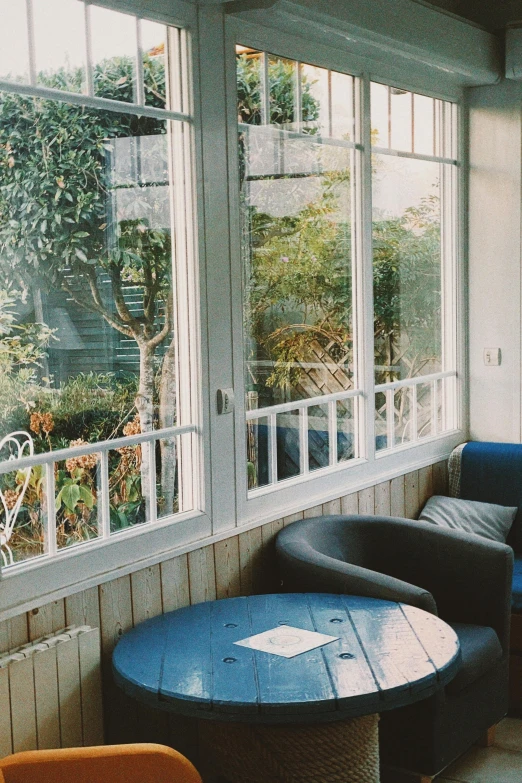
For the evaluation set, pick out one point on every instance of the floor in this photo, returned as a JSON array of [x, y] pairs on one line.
[[501, 763]]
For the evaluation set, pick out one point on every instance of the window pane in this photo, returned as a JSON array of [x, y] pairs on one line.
[[407, 267], [114, 47], [315, 100], [424, 124], [342, 110], [297, 256], [153, 48], [86, 306], [59, 41], [282, 80], [401, 119], [14, 50], [380, 113]]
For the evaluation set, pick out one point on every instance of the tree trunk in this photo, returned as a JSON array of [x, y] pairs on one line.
[[167, 418], [145, 408]]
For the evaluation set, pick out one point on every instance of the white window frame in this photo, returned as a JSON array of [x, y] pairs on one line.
[[286, 497], [58, 573], [217, 303]]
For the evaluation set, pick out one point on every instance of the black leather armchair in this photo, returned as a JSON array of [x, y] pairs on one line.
[[463, 578]]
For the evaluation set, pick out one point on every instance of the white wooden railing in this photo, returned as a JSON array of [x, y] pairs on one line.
[[410, 431], [271, 413], [102, 448]]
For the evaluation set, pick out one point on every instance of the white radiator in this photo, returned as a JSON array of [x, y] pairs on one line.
[[50, 692]]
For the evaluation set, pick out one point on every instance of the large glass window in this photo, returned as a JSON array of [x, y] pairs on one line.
[[301, 165], [413, 174], [296, 147], [95, 217]]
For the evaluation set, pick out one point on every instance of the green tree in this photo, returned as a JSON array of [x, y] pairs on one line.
[[56, 184]]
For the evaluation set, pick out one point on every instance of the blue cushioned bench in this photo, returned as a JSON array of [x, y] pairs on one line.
[[492, 473]]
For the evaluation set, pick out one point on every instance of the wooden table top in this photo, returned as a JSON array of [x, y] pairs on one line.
[[388, 655]]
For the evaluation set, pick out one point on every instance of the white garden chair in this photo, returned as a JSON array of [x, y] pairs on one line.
[[20, 445]]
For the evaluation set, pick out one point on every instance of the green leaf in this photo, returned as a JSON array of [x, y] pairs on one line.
[[69, 496], [86, 496], [80, 254]]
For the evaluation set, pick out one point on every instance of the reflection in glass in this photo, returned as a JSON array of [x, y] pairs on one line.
[[113, 51], [318, 443], [14, 50], [381, 422], [153, 52], [76, 498], [424, 139], [407, 267], [95, 351], [346, 434], [59, 41], [401, 119], [296, 244], [380, 115], [257, 452]]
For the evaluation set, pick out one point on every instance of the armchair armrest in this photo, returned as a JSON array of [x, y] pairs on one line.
[[470, 577], [305, 569]]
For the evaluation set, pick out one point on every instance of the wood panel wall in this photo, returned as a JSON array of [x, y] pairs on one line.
[[240, 565]]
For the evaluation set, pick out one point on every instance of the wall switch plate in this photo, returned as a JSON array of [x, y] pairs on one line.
[[225, 400], [492, 357]]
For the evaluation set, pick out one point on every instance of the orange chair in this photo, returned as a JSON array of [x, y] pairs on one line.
[[138, 763]]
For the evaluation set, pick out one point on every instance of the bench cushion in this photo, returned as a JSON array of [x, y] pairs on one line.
[[516, 601], [480, 650]]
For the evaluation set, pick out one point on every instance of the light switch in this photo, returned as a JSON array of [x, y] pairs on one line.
[[492, 357]]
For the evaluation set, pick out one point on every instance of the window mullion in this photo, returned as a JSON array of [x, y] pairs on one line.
[[364, 278]]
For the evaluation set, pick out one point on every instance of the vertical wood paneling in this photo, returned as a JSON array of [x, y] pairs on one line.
[[292, 518], [115, 612], [411, 495], [315, 511], [367, 501], [46, 619], [83, 608], [269, 577], [440, 478], [425, 485], [92, 707], [146, 594], [14, 633], [383, 499], [175, 588], [115, 619], [350, 503], [226, 559], [202, 575], [250, 546], [397, 497], [332, 507], [6, 747]]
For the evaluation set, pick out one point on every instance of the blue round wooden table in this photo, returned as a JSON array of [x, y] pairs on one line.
[[270, 718]]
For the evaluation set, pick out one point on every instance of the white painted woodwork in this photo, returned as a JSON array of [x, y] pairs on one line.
[[413, 33]]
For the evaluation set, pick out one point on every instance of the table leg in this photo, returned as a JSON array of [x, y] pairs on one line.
[[345, 751]]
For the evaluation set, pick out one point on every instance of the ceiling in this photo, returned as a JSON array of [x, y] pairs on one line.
[[494, 15]]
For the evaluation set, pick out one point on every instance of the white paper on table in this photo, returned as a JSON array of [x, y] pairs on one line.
[[287, 641]]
